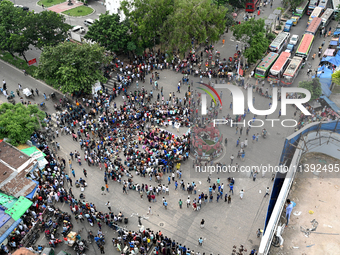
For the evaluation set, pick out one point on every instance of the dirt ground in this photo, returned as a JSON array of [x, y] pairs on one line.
[[317, 196]]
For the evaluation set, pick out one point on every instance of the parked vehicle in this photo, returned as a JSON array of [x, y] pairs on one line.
[[290, 48], [294, 39], [288, 26]]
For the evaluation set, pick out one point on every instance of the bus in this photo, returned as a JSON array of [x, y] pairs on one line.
[[313, 26], [335, 6], [316, 13], [305, 46], [323, 4], [275, 73], [292, 71], [279, 42], [327, 17], [312, 5], [262, 69], [251, 5], [301, 9]]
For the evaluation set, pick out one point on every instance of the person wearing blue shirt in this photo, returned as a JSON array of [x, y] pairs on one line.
[[289, 209]]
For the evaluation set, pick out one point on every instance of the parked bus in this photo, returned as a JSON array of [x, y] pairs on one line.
[[323, 4], [262, 69], [301, 9], [312, 5], [335, 6], [279, 42], [327, 17], [305, 46], [251, 5], [316, 13], [313, 26], [292, 71], [275, 73]]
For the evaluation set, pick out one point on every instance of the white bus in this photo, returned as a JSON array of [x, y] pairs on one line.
[[326, 17], [279, 42], [335, 5], [316, 13]]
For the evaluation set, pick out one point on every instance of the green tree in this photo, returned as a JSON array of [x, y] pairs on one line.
[[12, 28], [147, 18], [314, 86], [18, 122], [193, 20], [46, 29], [72, 67], [109, 32], [253, 34], [336, 77]]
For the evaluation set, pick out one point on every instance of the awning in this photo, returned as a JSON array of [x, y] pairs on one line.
[[9, 230], [329, 52], [331, 104], [19, 208], [31, 195]]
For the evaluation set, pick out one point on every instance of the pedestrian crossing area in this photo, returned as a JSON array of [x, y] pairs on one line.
[[110, 83]]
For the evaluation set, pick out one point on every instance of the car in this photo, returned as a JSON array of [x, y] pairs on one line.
[[25, 8], [88, 22], [78, 29], [294, 39]]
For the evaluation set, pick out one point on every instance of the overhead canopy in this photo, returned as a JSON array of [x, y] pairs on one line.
[[9, 230], [31, 195], [3, 217], [325, 76], [7, 201], [332, 60], [19, 208], [331, 104]]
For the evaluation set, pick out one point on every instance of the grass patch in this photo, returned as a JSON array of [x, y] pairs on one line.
[[18, 62], [22, 65], [78, 11], [49, 3]]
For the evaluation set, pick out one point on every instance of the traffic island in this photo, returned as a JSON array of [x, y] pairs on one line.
[[79, 11]]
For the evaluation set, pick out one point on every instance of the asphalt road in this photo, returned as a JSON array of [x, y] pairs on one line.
[[226, 225]]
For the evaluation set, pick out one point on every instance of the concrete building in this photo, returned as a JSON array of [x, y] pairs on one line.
[[113, 6]]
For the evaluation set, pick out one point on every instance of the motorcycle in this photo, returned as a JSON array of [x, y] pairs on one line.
[[56, 241], [57, 107]]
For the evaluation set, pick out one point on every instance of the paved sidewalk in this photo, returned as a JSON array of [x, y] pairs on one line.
[[64, 6]]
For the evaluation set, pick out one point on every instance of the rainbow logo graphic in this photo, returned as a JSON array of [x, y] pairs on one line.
[[204, 97]]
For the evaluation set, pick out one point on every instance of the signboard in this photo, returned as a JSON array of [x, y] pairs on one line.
[[32, 61]]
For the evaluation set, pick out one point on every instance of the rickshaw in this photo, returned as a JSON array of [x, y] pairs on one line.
[[207, 63], [218, 54], [42, 105], [212, 63], [235, 56], [27, 93]]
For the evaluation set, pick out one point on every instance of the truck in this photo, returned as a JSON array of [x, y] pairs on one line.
[[288, 26]]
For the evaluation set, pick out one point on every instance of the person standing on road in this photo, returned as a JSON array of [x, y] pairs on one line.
[[103, 189], [241, 194], [202, 223], [188, 202], [180, 203], [267, 192], [37, 91], [85, 172], [236, 47], [108, 205], [73, 173], [231, 159]]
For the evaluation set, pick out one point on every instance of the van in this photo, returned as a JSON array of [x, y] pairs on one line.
[[88, 22], [78, 29]]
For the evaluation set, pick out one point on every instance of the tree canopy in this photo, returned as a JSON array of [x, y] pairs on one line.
[[175, 23], [109, 32], [336, 77], [19, 29], [314, 86], [193, 20], [18, 122], [73, 67], [253, 34]]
